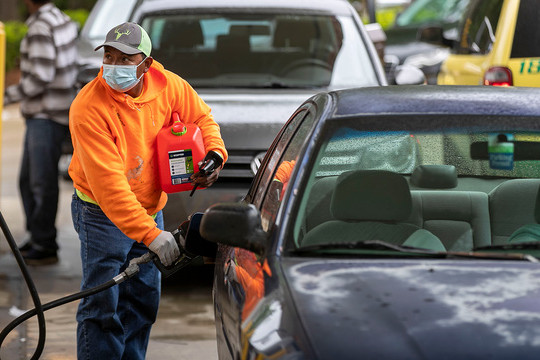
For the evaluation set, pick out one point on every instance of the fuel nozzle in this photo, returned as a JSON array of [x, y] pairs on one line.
[[185, 256], [211, 162], [190, 243]]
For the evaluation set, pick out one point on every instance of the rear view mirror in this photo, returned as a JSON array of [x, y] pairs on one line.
[[522, 150], [234, 224]]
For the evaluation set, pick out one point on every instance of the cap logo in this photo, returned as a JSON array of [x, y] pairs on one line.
[[119, 34]]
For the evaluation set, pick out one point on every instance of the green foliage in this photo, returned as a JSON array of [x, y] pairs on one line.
[[15, 31], [74, 4], [78, 15], [387, 16]]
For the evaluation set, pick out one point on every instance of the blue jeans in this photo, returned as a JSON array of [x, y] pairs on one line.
[[115, 323], [38, 179]]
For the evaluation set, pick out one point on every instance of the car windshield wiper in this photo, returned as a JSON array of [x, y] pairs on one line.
[[382, 245], [534, 245], [491, 255], [513, 246], [368, 244]]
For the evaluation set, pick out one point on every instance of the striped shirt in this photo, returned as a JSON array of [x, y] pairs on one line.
[[48, 66]]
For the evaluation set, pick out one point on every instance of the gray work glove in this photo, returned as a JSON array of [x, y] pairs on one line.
[[165, 247]]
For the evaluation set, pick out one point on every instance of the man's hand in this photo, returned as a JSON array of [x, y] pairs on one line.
[[202, 179], [165, 247]]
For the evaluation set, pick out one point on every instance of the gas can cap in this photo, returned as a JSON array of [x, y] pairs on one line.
[[178, 128]]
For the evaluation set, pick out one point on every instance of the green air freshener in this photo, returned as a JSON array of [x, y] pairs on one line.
[[501, 151]]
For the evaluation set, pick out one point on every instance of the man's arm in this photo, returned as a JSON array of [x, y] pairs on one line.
[[37, 65], [193, 109]]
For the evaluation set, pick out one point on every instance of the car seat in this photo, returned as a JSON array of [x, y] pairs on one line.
[[291, 33], [178, 49], [460, 219], [434, 176], [531, 231], [512, 204], [371, 205], [233, 50], [182, 34]]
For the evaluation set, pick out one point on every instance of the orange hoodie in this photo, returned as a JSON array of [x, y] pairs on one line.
[[284, 171], [113, 138]]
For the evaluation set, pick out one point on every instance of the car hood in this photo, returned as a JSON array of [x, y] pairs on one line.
[[250, 119], [418, 309]]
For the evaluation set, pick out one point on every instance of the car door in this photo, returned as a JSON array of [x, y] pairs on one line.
[[240, 275], [524, 62]]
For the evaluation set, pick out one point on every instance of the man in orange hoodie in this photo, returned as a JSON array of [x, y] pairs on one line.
[[117, 204]]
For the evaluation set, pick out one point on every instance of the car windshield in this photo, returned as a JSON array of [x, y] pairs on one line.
[[444, 194], [261, 50]]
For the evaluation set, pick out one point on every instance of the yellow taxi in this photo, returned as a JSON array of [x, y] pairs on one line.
[[498, 44]]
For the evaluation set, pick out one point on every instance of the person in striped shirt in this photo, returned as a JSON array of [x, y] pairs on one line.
[[45, 91]]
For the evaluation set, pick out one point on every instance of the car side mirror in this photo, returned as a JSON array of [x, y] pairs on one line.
[[409, 75], [234, 224]]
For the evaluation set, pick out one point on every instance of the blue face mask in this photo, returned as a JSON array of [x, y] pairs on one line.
[[121, 77]]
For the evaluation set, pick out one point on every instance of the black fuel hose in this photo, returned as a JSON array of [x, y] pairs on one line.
[[31, 287], [130, 271]]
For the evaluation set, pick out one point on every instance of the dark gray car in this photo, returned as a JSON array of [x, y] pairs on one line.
[[387, 223]]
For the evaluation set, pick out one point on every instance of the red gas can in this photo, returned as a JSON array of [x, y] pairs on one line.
[[179, 150]]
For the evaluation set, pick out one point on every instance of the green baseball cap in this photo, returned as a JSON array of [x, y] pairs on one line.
[[130, 38]]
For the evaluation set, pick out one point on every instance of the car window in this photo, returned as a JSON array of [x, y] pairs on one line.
[[479, 26], [281, 164], [264, 175], [261, 50], [527, 33], [422, 12]]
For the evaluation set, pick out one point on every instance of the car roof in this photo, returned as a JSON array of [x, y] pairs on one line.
[[337, 7], [438, 99]]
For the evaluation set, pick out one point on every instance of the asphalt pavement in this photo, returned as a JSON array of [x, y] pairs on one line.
[[185, 324]]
